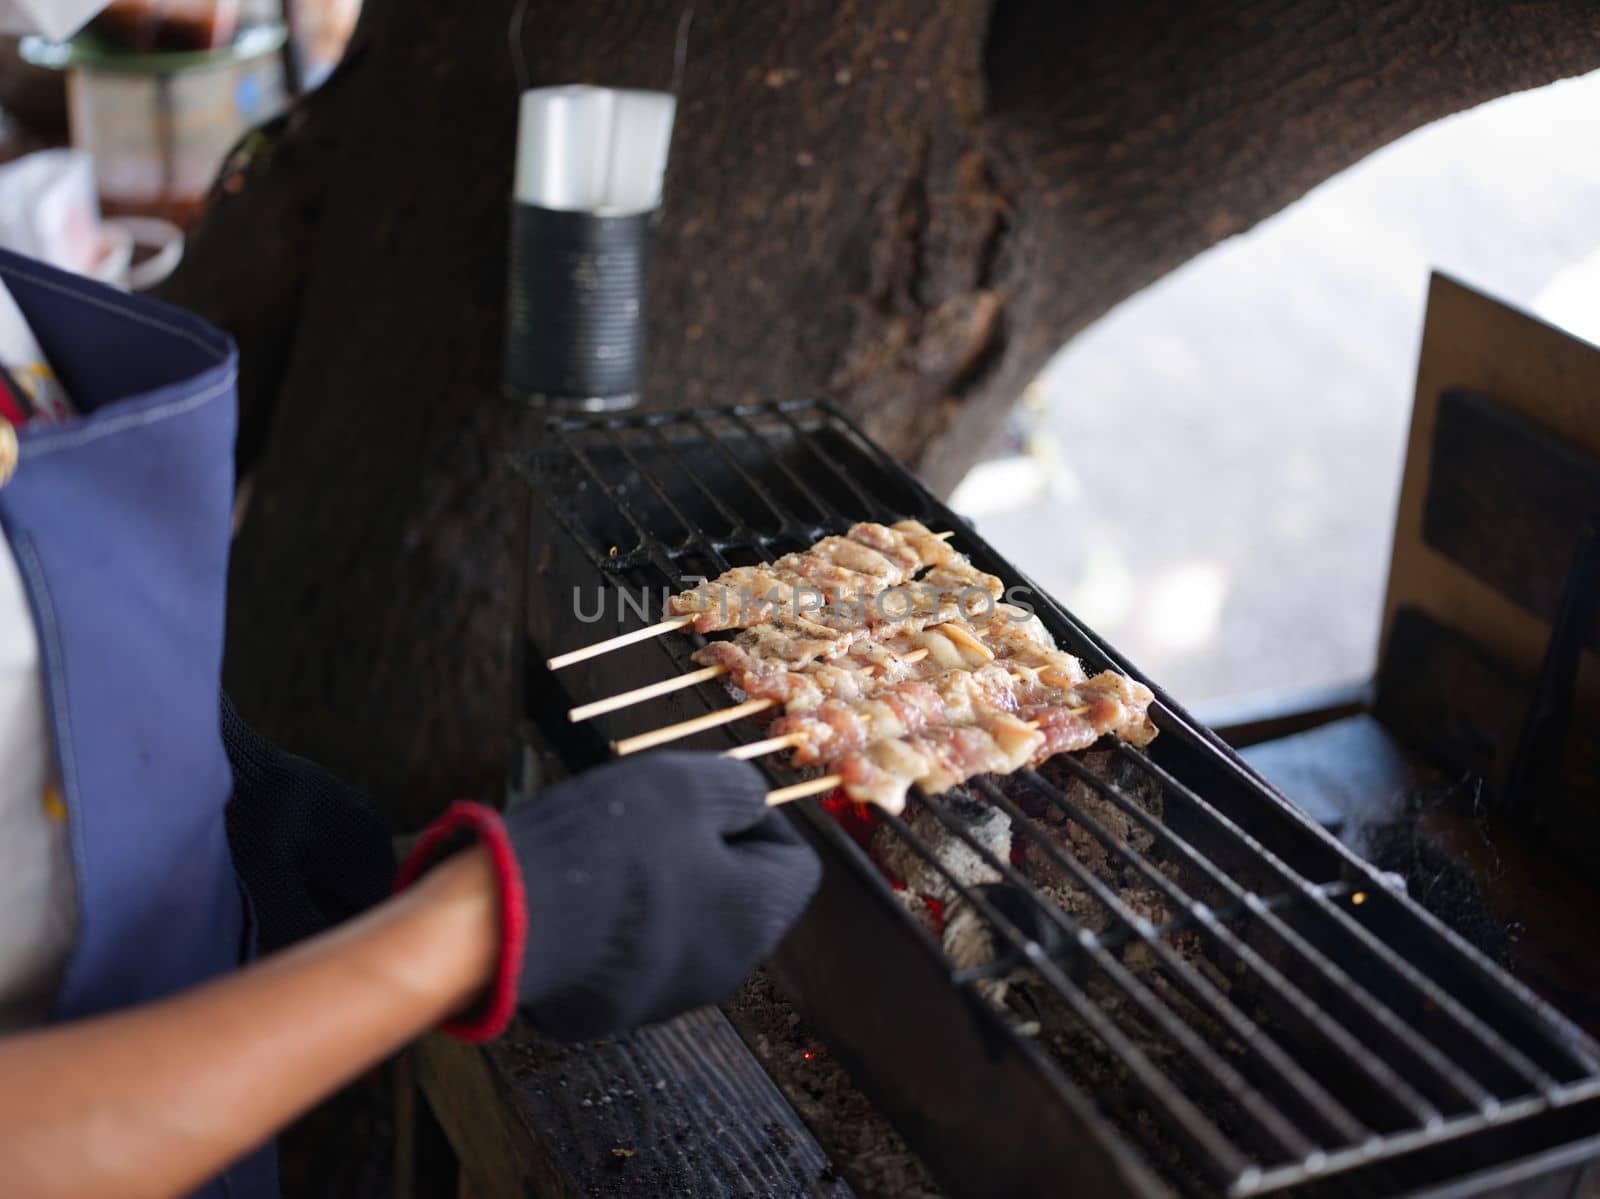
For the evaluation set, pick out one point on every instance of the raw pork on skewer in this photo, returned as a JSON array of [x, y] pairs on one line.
[[867, 561]]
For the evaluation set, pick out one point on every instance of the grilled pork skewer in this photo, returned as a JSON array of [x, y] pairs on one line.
[[944, 756], [1027, 703], [803, 686], [836, 678], [775, 658], [911, 708], [938, 761], [700, 606], [856, 674], [1009, 635], [865, 562], [888, 694], [766, 656], [1027, 669], [943, 593]]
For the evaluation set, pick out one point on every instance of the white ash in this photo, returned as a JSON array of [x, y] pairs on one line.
[[969, 941], [986, 824], [966, 937], [917, 904], [1083, 797], [1125, 881]]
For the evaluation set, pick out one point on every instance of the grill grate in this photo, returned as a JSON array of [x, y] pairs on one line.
[[1279, 1017]]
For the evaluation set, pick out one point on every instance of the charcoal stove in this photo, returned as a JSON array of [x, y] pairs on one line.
[[1183, 984]]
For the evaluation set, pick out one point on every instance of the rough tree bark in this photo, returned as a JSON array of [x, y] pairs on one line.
[[903, 205]]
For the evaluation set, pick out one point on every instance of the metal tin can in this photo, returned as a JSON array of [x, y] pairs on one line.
[[575, 321], [589, 170]]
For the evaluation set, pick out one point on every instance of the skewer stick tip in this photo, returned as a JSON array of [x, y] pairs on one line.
[[771, 745], [617, 642], [639, 695], [1078, 711], [794, 791], [684, 728]]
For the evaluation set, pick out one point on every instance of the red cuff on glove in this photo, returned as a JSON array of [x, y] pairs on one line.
[[489, 1019]]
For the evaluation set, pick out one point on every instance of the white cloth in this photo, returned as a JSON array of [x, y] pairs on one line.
[[29, 369], [38, 897], [38, 890]]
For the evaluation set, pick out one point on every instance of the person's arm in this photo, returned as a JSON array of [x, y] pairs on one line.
[[619, 897], [156, 1099]]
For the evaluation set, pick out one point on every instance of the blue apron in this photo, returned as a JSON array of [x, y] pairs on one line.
[[119, 523]]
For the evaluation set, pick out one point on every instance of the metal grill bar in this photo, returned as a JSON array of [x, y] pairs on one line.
[[1289, 999], [1184, 921], [1278, 1178], [1402, 1069], [788, 523], [822, 505], [695, 536], [1267, 1119], [735, 521], [1387, 1022], [1308, 1095], [1222, 1160], [865, 504], [648, 544], [1433, 996]]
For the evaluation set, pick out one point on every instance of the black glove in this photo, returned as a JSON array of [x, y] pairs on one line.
[[310, 850], [649, 886]]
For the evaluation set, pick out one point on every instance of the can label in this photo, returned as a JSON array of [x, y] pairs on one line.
[[575, 305]]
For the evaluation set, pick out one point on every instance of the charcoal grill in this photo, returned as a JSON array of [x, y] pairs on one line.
[[1275, 1018]]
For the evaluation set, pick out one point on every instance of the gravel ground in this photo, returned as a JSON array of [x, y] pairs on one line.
[[1216, 463]]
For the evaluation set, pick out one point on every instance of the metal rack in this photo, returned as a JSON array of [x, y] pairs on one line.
[[1291, 1024]]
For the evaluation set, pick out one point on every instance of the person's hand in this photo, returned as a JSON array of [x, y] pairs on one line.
[[648, 887]]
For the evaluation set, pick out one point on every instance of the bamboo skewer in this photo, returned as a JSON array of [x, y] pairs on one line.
[[809, 787], [617, 642], [709, 720], [771, 745], [1078, 711], [686, 728], [954, 630], [794, 791], [638, 635], [638, 695]]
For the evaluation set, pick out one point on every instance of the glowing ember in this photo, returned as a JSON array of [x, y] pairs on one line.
[[858, 820]]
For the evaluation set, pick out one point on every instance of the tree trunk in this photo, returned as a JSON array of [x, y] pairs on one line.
[[903, 205]]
